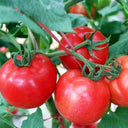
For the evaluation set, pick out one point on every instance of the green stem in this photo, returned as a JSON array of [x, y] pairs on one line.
[[51, 106], [62, 52], [11, 39], [70, 3], [81, 58], [7, 122], [18, 30]]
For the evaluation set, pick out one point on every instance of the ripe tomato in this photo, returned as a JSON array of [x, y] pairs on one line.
[[79, 99], [15, 111], [76, 38], [28, 87], [80, 9], [3, 49], [119, 86], [94, 125]]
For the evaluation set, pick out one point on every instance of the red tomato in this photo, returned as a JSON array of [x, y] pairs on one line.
[[119, 86], [3, 49], [76, 38], [94, 125], [28, 87], [80, 9], [79, 99], [12, 111]]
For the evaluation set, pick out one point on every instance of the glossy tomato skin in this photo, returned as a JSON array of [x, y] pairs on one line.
[[94, 125], [119, 86], [76, 38], [79, 99], [80, 9], [28, 87]]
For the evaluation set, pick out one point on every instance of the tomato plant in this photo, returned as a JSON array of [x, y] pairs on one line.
[[77, 98], [97, 56], [28, 87], [80, 9], [86, 37], [118, 87]]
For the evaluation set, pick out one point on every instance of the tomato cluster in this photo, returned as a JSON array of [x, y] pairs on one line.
[[77, 98]]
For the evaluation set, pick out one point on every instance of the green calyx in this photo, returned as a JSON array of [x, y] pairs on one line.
[[23, 58], [98, 71], [94, 45]]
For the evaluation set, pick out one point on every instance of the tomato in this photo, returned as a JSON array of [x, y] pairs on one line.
[[80, 9], [76, 38], [119, 86], [15, 111], [3, 49], [79, 99], [28, 87], [94, 125]]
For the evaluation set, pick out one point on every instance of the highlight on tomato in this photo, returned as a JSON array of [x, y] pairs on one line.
[[119, 86], [80, 9], [79, 99], [30, 86], [98, 56]]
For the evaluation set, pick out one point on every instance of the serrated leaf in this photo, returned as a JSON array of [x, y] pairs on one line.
[[34, 120], [78, 20], [49, 12], [117, 119], [9, 15]]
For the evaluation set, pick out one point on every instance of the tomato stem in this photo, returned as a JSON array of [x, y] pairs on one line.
[[62, 52], [53, 36], [51, 106], [67, 40]]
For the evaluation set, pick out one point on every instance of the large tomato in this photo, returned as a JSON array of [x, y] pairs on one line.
[[28, 87], [76, 38], [79, 99], [119, 86], [80, 9]]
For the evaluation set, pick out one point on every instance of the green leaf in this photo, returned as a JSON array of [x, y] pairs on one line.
[[124, 4], [110, 9], [99, 4], [9, 15], [3, 58], [6, 122], [88, 6], [119, 48], [110, 28], [55, 123], [49, 12], [6, 2], [34, 120], [117, 119], [78, 20]]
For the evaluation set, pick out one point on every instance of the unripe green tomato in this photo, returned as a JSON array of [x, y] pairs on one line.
[[102, 3]]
